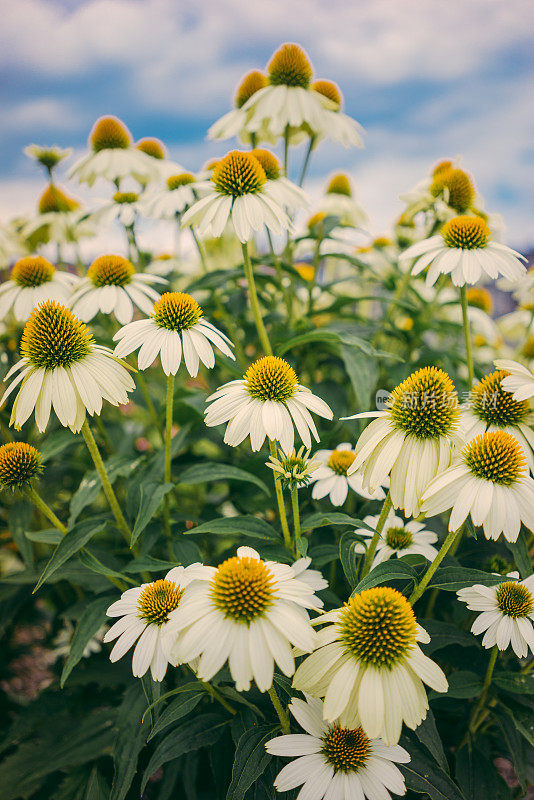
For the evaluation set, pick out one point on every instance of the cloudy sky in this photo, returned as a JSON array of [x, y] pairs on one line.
[[428, 79]]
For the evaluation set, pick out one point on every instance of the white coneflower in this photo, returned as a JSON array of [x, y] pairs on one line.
[[331, 477], [112, 286], [339, 202], [412, 438], [448, 191], [124, 207], [238, 196], [267, 402], [60, 219], [334, 762], [281, 189], [490, 481], [20, 463], [519, 382], [176, 328], [399, 539], [33, 279], [156, 150], [179, 192], [507, 614], [288, 101], [248, 612], [112, 155], [233, 123], [337, 125], [144, 613], [491, 408], [63, 368], [47, 157], [369, 667], [296, 469], [464, 250]]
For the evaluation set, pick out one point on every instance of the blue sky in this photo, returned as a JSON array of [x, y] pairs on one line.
[[428, 79]]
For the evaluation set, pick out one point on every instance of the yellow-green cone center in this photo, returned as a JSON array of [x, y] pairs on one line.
[[495, 456], [514, 599], [347, 750], [425, 404], [123, 198], [466, 233], [398, 538], [19, 463], [238, 173], [271, 165], [109, 133], [250, 84], [491, 403], [176, 181], [243, 588], [341, 460], [110, 271], [176, 311], [290, 66], [157, 600], [32, 271], [455, 185], [270, 378], [54, 337]]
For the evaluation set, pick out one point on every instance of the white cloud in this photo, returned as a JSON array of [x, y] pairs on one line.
[[43, 114]]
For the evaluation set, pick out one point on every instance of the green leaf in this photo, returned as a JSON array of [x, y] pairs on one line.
[[443, 634], [321, 519], [55, 443], [349, 557], [91, 620], [363, 375], [516, 682], [422, 774], [150, 498], [97, 788], [148, 564], [214, 471], [184, 687], [91, 562], [90, 486], [20, 516], [392, 570], [247, 526], [319, 335], [76, 538], [450, 579], [47, 536], [519, 550], [427, 733], [522, 716], [193, 734], [251, 759], [179, 708], [462, 684], [477, 775], [516, 747], [130, 740]]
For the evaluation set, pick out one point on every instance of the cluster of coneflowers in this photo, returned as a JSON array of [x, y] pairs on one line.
[[360, 666]]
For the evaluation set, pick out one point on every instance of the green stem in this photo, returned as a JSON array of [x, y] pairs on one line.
[[286, 151], [280, 711], [254, 304], [45, 509], [467, 335], [280, 501], [296, 519], [306, 163], [444, 549], [104, 434], [106, 485], [280, 276], [370, 552], [167, 472], [211, 690], [474, 721]]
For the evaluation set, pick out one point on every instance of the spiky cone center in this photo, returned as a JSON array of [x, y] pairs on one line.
[[514, 599], [271, 378], [19, 463], [495, 456], [466, 233], [398, 538], [32, 271], [54, 337], [459, 186], [125, 198], [425, 404], [49, 158], [157, 600], [442, 166], [243, 589], [251, 83], [152, 147], [295, 469], [346, 749], [109, 133], [176, 181], [480, 298], [339, 184], [381, 242], [110, 271], [290, 66], [378, 626], [271, 165], [238, 173], [176, 311], [494, 405], [330, 90], [340, 461], [56, 201]]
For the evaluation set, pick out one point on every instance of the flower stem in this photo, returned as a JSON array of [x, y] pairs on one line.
[[279, 274], [282, 714], [467, 335], [211, 690], [306, 163], [254, 304], [474, 720], [296, 519], [106, 485], [167, 471], [280, 500], [45, 509], [370, 552], [451, 537]]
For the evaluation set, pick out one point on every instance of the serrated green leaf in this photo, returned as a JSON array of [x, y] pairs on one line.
[[349, 556], [214, 471], [47, 536], [73, 541], [450, 579], [427, 733], [251, 759], [92, 562], [180, 707], [394, 569], [150, 498]]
